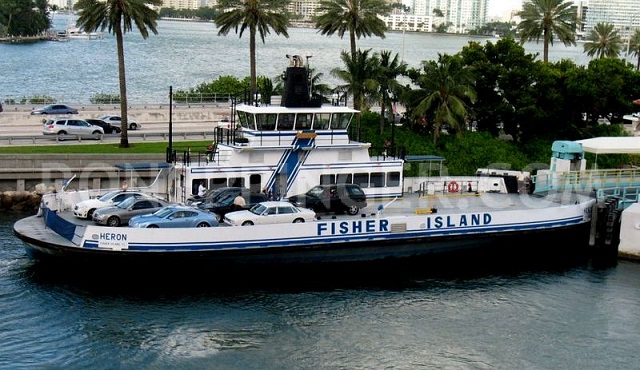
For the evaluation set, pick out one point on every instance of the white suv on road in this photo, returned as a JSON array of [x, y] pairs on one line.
[[63, 127]]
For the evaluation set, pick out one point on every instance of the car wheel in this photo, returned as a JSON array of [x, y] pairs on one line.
[[298, 221], [113, 221], [352, 210], [152, 227], [202, 224], [62, 135], [133, 126], [90, 213], [117, 130], [247, 223], [96, 135]]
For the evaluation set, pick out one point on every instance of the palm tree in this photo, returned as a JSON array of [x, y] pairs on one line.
[[358, 17], [387, 72], [118, 16], [634, 47], [447, 84], [359, 76], [256, 15], [548, 19], [603, 41]]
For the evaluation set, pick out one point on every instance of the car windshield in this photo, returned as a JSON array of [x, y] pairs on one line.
[[107, 197], [163, 212], [226, 199], [258, 209], [127, 203], [316, 190]]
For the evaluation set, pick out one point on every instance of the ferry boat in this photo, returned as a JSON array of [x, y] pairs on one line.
[[286, 150]]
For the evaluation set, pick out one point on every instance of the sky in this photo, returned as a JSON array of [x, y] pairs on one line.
[[503, 7]]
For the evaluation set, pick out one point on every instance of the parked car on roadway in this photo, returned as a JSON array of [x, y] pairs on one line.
[[270, 212], [174, 216], [225, 204], [85, 208], [121, 213], [62, 127], [117, 121], [336, 198], [108, 129], [55, 109]]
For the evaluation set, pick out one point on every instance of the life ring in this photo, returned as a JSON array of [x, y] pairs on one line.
[[453, 187]]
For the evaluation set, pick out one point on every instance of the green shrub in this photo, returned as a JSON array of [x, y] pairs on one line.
[[39, 99], [104, 98]]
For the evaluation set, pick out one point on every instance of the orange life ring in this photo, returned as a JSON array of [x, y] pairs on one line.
[[453, 187]]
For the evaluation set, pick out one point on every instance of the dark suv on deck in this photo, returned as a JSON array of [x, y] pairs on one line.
[[335, 198], [224, 204]]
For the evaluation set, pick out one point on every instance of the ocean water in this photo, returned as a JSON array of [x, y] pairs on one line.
[[522, 311], [516, 311], [186, 54]]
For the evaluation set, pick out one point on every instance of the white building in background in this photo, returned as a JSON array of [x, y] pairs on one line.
[[623, 14], [458, 16], [181, 4]]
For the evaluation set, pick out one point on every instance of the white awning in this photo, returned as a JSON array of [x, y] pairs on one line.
[[611, 145]]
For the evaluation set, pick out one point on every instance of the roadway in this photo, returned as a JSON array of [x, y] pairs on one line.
[[193, 122]]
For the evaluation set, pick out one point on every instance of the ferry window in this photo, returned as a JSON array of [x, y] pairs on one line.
[[340, 121], [217, 183], [361, 179], [344, 178], [266, 122], [251, 122], [377, 179], [303, 121], [195, 183], [285, 121], [242, 117], [321, 121], [393, 179], [236, 181], [327, 179]]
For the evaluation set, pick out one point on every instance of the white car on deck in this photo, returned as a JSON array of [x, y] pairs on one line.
[[85, 208], [270, 212]]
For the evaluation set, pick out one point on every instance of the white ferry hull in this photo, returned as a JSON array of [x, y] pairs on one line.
[[346, 239]]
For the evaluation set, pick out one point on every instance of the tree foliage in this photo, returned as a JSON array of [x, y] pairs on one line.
[[358, 18], [119, 17], [23, 17], [256, 16], [549, 20], [603, 41]]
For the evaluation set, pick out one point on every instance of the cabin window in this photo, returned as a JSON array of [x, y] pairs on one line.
[[327, 179], [393, 179], [236, 181], [321, 121], [303, 121], [195, 184], [285, 121], [242, 117], [344, 178], [377, 179], [266, 122], [361, 179], [217, 183], [340, 121]]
